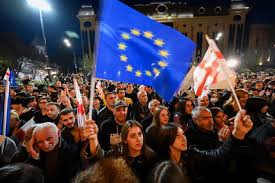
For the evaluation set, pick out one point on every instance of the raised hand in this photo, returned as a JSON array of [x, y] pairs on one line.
[[90, 131], [30, 148], [224, 133], [242, 125]]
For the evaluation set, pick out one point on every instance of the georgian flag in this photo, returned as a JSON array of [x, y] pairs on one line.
[[212, 72], [80, 106]]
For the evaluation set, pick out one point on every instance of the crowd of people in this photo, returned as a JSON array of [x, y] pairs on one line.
[[136, 136]]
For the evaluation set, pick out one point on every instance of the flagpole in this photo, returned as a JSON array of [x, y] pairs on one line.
[[214, 46], [93, 78], [6, 101]]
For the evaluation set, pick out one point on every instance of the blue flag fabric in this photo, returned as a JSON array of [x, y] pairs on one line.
[[136, 49], [12, 79]]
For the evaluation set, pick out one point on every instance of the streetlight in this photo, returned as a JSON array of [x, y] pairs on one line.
[[219, 35], [42, 5], [68, 44], [232, 63]]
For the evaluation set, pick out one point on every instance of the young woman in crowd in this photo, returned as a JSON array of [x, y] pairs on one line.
[[219, 118], [134, 150], [196, 164], [183, 113], [161, 117]]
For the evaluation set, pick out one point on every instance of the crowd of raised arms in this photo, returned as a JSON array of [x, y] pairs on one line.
[[136, 136]]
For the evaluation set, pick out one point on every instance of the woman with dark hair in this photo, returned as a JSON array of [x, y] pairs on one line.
[[219, 118], [21, 173], [167, 172], [160, 117], [135, 152], [184, 111], [201, 165]]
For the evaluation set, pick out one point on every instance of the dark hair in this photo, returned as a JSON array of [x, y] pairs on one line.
[[111, 170], [53, 103], [124, 133], [107, 94], [119, 89], [156, 114], [167, 136], [21, 173], [255, 104], [66, 111], [167, 172], [182, 104], [215, 111]]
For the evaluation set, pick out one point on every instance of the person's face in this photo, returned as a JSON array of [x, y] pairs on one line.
[[188, 107], [121, 94], [180, 143], [58, 84], [42, 104], [255, 92], [13, 123], [12, 92], [259, 85], [85, 100], [243, 100], [220, 118], [96, 104], [163, 117], [72, 93], [154, 106], [143, 97], [110, 100], [264, 109], [68, 120], [130, 88], [46, 139], [204, 101], [205, 121], [33, 103], [120, 114], [134, 139], [52, 111], [29, 88], [16, 107]]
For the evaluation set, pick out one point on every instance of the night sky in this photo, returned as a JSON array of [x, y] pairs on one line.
[[17, 16]]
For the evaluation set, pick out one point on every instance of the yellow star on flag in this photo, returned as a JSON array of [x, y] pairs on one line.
[[156, 71], [159, 42], [135, 32], [162, 64], [163, 53], [123, 58], [125, 36], [129, 68], [138, 73], [148, 34], [122, 46], [148, 73]]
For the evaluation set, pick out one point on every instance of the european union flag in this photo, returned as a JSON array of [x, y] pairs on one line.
[[136, 49]]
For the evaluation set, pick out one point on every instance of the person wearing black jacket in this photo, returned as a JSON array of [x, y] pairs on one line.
[[200, 165], [107, 111], [136, 153], [110, 129], [52, 154]]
